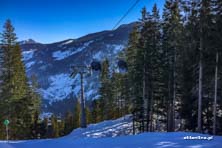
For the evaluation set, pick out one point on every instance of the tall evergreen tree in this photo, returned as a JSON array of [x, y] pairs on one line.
[[134, 74], [189, 70], [69, 123], [18, 102], [106, 91], [172, 27], [76, 118], [218, 39]]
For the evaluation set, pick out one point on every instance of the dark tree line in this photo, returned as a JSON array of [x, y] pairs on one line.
[[175, 67], [174, 72]]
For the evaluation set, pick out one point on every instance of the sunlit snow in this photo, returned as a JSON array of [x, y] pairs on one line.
[[67, 42], [118, 134], [60, 55]]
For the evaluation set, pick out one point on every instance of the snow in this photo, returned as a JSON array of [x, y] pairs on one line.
[[98, 55], [29, 64], [118, 134], [77, 89], [60, 55], [96, 97], [117, 48], [60, 87], [112, 49], [88, 43], [45, 115], [27, 55], [67, 42], [90, 93]]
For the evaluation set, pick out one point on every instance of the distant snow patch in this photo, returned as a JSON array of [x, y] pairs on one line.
[[27, 55], [60, 55], [98, 55], [67, 42], [88, 43], [59, 89], [29, 64], [118, 48], [96, 97], [115, 48], [111, 51], [77, 89], [45, 115], [90, 93]]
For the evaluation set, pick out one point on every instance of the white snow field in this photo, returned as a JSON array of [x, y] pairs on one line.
[[118, 134]]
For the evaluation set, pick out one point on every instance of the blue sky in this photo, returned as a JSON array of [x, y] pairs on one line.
[[49, 21]]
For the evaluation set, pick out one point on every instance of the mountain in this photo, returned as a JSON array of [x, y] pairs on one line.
[[29, 41], [51, 64]]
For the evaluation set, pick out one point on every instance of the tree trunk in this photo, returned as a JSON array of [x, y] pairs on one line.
[[174, 92], [170, 104], [199, 120], [215, 96], [83, 111]]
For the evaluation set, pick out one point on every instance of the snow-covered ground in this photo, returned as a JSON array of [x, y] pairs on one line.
[[118, 134]]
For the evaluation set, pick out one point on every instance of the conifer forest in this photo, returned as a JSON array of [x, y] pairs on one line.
[[167, 78]]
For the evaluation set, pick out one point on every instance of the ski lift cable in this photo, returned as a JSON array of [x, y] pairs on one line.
[[121, 19], [127, 12]]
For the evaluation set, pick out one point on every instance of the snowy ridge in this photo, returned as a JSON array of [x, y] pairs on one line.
[[117, 134], [68, 42], [60, 55]]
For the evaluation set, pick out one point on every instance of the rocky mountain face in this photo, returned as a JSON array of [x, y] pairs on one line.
[[51, 64]]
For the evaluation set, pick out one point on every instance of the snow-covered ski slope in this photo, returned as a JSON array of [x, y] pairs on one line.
[[118, 134]]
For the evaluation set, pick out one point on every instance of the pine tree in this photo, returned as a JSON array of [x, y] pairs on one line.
[[35, 128], [149, 56], [120, 95], [105, 92], [88, 115], [76, 117], [205, 19], [69, 123], [134, 73], [14, 84], [55, 127], [217, 37], [18, 100], [190, 68], [95, 109], [172, 27]]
